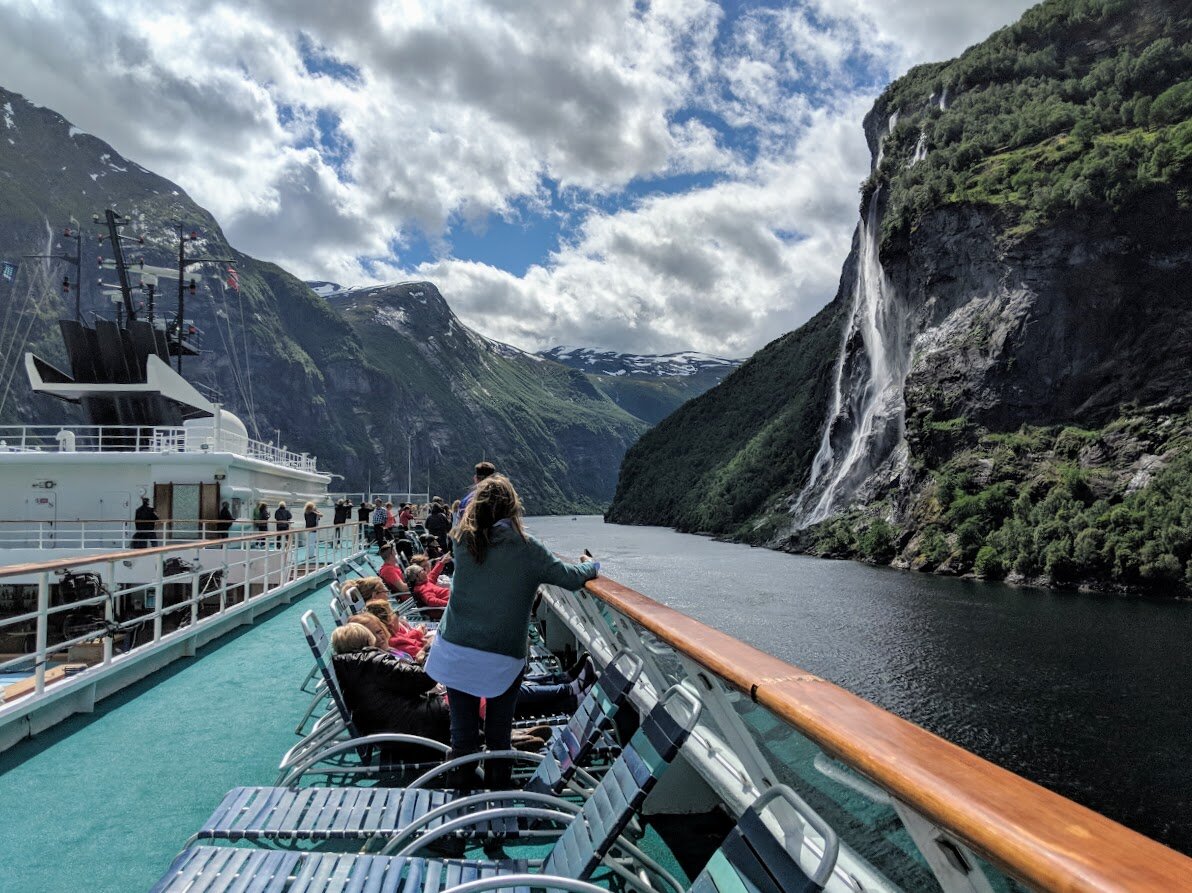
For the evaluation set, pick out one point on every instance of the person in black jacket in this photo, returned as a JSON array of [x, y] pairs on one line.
[[226, 520], [438, 522], [145, 524], [343, 511], [385, 693], [283, 517]]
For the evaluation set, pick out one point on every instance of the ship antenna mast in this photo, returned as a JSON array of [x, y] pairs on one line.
[[114, 222], [183, 263]]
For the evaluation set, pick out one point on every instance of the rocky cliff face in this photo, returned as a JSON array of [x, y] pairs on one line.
[[1007, 393]]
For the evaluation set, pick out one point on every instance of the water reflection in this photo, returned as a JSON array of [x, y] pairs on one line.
[[1085, 694]]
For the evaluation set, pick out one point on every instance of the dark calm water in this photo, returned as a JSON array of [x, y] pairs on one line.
[[1087, 695]]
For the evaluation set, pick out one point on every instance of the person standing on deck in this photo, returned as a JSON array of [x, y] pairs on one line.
[[480, 650], [438, 524], [379, 516], [362, 514], [225, 521], [343, 511], [145, 525], [261, 522], [405, 516], [480, 472], [311, 516], [282, 516]]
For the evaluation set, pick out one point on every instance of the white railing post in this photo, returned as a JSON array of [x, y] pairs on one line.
[[109, 613], [43, 629], [197, 574], [223, 589], [159, 598]]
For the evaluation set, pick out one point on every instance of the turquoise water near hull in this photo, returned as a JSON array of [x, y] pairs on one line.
[[103, 801]]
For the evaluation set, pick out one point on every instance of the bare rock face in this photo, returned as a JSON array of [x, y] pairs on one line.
[[1063, 326]]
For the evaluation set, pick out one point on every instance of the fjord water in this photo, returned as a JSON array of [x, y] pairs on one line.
[[1087, 695]]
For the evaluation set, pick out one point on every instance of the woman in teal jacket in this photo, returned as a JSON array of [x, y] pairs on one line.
[[480, 650]]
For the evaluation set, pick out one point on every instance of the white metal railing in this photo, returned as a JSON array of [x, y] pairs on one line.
[[187, 586], [112, 534], [155, 439]]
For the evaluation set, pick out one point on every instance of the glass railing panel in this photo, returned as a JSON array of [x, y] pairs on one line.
[[749, 742]]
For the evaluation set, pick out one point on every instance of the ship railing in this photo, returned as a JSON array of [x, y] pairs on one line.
[[101, 609], [146, 439], [109, 534], [913, 812], [397, 499]]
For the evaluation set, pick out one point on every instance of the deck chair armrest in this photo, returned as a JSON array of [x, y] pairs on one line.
[[469, 758], [411, 830], [300, 768], [531, 881], [487, 815]]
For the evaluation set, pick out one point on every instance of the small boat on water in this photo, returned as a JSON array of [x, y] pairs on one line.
[[698, 762]]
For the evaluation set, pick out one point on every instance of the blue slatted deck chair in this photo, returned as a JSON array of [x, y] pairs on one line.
[[753, 859], [288, 814], [582, 847], [324, 743]]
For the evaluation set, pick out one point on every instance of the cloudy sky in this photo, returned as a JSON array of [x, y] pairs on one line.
[[642, 176]]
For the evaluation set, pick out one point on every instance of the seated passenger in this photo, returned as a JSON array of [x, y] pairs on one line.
[[403, 637], [391, 572], [425, 585], [383, 692]]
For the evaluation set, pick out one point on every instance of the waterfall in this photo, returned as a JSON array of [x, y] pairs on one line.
[[944, 100], [865, 420], [920, 149], [891, 123]]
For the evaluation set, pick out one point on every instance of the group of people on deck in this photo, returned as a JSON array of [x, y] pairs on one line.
[[465, 682]]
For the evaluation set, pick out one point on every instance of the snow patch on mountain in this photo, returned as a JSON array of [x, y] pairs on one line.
[[609, 362], [8, 122]]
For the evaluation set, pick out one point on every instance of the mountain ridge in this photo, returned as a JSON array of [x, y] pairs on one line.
[[365, 393]]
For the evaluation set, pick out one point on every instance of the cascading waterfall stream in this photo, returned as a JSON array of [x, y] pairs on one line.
[[866, 415]]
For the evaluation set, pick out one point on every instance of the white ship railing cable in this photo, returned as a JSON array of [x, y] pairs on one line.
[[155, 439], [213, 579], [968, 818]]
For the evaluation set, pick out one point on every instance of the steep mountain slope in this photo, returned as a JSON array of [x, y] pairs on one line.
[[345, 382], [459, 396], [1008, 381], [649, 387]]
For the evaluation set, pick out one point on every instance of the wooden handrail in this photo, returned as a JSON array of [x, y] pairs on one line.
[[12, 570], [1038, 837]]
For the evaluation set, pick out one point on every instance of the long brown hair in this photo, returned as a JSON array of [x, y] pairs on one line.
[[493, 500]]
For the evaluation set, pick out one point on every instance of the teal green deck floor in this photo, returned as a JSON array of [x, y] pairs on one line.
[[103, 802]]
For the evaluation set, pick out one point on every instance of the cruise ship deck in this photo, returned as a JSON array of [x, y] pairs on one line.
[[109, 797]]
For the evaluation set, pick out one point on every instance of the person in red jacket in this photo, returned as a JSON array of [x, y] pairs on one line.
[[390, 571], [406, 515], [425, 585]]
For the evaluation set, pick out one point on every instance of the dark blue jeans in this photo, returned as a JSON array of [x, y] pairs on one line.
[[498, 729]]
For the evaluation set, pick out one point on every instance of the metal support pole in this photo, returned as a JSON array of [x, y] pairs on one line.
[[43, 628], [109, 613], [158, 599]]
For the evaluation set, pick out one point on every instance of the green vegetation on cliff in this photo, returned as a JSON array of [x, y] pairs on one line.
[[1061, 506], [710, 465], [1082, 105]]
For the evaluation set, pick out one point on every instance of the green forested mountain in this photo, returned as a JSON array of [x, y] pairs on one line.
[[371, 382], [1015, 403]]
